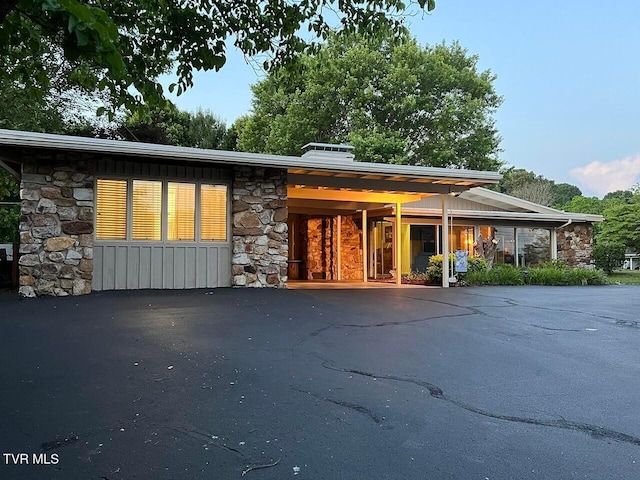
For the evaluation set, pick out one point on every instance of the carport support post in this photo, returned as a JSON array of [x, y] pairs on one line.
[[364, 246], [445, 242], [339, 242], [398, 244]]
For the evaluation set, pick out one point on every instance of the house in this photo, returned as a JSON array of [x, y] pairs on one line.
[[109, 215]]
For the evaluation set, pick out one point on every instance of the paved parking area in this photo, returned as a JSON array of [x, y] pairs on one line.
[[467, 383]]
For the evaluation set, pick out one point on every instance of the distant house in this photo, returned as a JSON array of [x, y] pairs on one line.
[[110, 215]]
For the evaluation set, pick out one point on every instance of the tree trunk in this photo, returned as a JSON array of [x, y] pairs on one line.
[[486, 249]]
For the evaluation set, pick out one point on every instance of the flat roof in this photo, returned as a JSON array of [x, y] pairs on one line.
[[405, 177]]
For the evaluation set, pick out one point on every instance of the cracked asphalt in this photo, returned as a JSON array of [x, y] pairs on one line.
[[464, 383]]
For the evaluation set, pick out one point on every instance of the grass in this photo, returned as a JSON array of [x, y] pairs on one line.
[[626, 277]]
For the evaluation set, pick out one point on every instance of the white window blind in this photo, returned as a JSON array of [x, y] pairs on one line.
[[213, 212], [147, 210], [181, 210], [111, 209]]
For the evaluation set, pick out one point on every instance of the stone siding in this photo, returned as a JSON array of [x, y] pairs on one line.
[[322, 249], [575, 244], [260, 231], [56, 227]]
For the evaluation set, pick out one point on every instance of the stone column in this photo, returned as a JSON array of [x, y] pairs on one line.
[[56, 229], [260, 231], [575, 244]]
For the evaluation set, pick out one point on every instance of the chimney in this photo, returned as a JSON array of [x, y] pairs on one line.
[[328, 151]]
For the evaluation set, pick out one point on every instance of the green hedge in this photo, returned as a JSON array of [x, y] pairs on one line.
[[548, 274]]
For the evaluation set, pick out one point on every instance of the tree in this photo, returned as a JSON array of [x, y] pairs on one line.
[[564, 192], [623, 196], [123, 46], [395, 101], [170, 126], [537, 191], [608, 256], [9, 214], [621, 225], [582, 204]]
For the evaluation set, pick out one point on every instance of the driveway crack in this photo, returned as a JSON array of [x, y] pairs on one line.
[[595, 431], [353, 406]]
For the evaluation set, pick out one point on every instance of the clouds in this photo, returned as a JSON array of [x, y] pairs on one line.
[[604, 177]]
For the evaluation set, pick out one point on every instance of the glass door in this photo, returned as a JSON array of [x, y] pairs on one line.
[[381, 249]]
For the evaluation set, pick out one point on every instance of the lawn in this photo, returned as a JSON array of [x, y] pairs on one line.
[[627, 277]]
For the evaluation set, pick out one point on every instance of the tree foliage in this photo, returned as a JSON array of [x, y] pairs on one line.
[[170, 126], [122, 46], [527, 185], [608, 256], [9, 214], [395, 101]]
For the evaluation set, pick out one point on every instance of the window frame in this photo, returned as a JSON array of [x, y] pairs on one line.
[[164, 211]]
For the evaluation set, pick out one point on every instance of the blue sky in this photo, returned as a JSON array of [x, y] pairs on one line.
[[569, 73]]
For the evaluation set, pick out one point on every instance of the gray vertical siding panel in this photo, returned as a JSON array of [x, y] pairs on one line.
[[224, 262], [97, 268], [157, 267], [144, 279], [133, 268], [121, 267], [178, 267], [168, 269], [190, 267]]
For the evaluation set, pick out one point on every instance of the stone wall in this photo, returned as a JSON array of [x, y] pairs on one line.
[[575, 244], [260, 232], [56, 227], [322, 249]]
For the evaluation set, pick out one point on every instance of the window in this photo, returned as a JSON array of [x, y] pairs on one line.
[[111, 209], [160, 210], [147, 210], [213, 212], [181, 211]]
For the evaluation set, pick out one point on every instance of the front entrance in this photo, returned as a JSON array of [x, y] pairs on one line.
[[325, 247]]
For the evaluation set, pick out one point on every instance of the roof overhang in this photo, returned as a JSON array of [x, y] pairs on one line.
[[392, 183], [558, 217]]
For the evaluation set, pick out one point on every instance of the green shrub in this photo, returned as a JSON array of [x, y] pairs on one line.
[[608, 255], [590, 276], [478, 278], [557, 263], [506, 275], [434, 271], [546, 276]]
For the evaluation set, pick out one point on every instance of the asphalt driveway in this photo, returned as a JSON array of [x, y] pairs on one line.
[[468, 383]]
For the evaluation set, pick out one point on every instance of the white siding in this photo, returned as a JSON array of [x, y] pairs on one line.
[[133, 266]]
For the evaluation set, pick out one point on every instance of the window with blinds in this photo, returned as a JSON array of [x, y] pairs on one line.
[[111, 209], [147, 210], [213, 212], [181, 209]]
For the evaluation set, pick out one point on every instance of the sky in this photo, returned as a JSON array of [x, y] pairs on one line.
[[569, 73]]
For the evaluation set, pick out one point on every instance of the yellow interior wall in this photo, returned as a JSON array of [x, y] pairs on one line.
[[405, 244]]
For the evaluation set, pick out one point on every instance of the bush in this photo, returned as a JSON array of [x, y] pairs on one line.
[[434, 271], [506, 275], [608, 255], [547, 276], [590, 276]]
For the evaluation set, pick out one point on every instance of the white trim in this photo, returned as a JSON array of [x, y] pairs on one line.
[[555, 216]]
